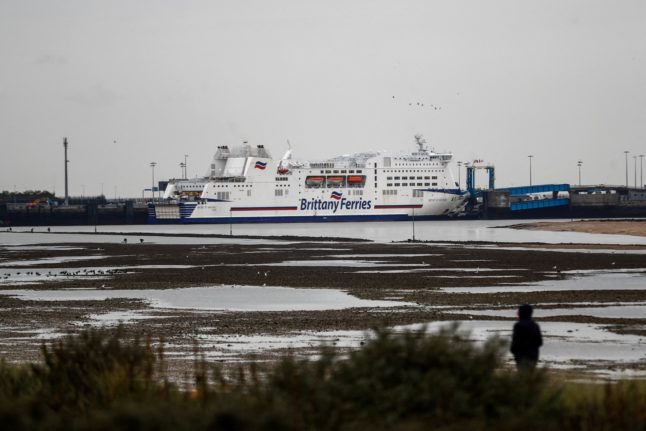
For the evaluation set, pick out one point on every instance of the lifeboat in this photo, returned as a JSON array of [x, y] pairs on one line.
[[354, 179], [335, 181], [314, 181], [282, 170]]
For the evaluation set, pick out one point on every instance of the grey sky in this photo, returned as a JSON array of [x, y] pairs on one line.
[[129, 82]]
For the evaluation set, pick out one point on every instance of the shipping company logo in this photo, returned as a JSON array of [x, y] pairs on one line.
[[261, 165], [335, 204]]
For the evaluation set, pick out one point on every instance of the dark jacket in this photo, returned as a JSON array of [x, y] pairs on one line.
[[526, 340]]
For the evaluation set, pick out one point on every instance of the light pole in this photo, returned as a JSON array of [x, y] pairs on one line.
[[579, 163], [530, 169], [626, 153], [185, 166], [459, 169], [152, 189], [635, 167], [641, 171]]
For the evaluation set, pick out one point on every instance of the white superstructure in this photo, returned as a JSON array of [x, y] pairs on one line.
[[247, 185]]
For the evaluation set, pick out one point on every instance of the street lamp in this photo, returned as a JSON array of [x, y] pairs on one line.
[[152, 189], [626, 153], [579, 163], [635, 160], [459, 169], [185, 166], [641, 170], [530, 169]]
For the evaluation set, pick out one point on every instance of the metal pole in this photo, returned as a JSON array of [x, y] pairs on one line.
[[641, 170], [459, 169], [67, 196], [185, 166], [152, 189], [530, 169], [635, 160], [626, 154], [413, 224], [579, 163]]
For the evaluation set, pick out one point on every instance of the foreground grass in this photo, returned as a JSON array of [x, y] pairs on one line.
[[412, 381]]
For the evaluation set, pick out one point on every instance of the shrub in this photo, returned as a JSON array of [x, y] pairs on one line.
[[101, 380]]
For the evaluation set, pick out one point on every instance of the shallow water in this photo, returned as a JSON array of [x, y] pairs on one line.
[[434, 230], [611, 311], [48, 260], [596, 280], [227, 298], [430, 269], [342, 262], [566, 345]]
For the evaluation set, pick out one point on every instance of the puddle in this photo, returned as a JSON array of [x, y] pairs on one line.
[[115, 318], [472, 260], [566, 345], [561, 250], [564, 342], [616, 280], [40, 248], [612, 311], [470, 277], [375, 255], [428, 269], [226, 298], [340, 262], [48, 260]]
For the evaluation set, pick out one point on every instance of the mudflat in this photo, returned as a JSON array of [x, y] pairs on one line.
[[417, 278]]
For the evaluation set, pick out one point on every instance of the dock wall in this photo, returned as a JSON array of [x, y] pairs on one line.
[[87, 214]]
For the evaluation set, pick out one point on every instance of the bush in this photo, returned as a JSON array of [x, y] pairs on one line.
[[102, 381]]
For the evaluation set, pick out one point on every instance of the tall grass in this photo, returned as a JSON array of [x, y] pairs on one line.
[[102, 380]]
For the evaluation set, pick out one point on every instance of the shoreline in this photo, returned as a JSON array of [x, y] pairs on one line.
[[607, 227]]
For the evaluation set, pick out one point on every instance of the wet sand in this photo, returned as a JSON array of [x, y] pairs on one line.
[[409, 273], [614, 227]]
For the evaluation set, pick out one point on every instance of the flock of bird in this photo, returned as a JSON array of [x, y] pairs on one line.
[[65, 273], [422, 105]]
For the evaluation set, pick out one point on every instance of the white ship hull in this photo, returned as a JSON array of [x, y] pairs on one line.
[[364, 187]]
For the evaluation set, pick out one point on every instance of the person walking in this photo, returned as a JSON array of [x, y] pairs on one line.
[[526, 340]]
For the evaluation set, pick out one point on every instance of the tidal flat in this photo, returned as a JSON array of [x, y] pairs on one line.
[[232, 303]]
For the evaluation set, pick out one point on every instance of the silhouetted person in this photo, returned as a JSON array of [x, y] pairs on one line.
[[526, 340]]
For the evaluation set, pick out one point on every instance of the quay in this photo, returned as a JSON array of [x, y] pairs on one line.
[[536, 201]]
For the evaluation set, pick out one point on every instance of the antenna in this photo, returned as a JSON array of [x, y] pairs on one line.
[[420, 141]]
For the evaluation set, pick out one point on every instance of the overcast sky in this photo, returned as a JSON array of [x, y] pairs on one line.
[[130, 82]]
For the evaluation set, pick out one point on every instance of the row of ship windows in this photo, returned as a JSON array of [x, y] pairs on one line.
[[397, 171], [412, 178], [342, 171], [416, 193], [415, 164], [282, 192], [411, 184], [225, 196]]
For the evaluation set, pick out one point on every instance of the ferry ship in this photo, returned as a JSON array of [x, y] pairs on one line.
[[246, 185]]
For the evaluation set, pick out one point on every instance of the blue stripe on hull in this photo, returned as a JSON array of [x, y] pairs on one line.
[[292, 219]]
